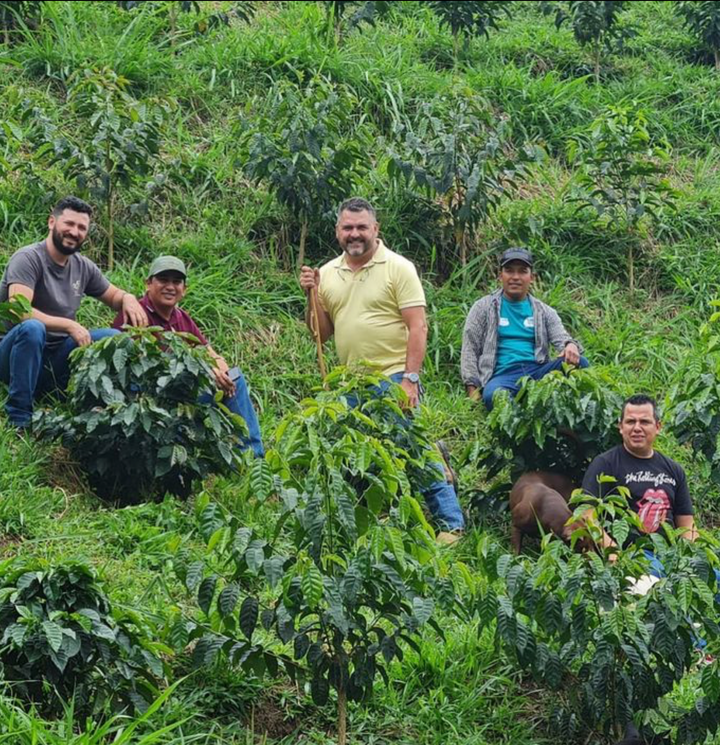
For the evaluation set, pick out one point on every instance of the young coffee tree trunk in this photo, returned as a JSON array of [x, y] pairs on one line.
[[717, 59], [631, 267], [342, 716]]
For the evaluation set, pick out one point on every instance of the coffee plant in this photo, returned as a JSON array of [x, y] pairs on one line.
[[594, 24], [351, 570], [703, 20], [579, 625], [132, 419], [298, 146], [622, 173], [695, 397], [465, 19], [15, 309], [59, 632], [453, 157], [559, 423], [123, 143]]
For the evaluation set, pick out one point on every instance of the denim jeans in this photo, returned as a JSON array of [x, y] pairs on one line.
[[241, 404], [509, 379], [31, 368], [439, 496]]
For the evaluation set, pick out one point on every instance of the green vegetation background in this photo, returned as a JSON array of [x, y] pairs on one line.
[[240, 245]]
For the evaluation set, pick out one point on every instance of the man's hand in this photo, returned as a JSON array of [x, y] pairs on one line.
[[473, 392], [309, 278], [413, 393], [79, 334], [133, 312], [224, 381], [571, 354]]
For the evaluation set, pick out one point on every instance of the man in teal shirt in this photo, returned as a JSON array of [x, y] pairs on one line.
[[508, 334]]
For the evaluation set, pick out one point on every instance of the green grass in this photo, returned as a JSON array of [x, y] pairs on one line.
[[240, 245]]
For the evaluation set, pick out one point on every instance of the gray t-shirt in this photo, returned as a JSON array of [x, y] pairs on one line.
[[58, 290]]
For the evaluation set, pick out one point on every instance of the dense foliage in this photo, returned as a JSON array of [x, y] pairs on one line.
[[61, 640], [133, 421], [580, 626], [357, 575], [559, 423]]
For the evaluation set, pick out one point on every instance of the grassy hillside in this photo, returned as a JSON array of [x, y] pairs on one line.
[[528, 78]]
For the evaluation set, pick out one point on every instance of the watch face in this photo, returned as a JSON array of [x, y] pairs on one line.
[[413, 377]]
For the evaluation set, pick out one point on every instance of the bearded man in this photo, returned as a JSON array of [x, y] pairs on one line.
[[54, 277]]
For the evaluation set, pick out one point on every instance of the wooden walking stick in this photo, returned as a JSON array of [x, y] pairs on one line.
[[315, 326]]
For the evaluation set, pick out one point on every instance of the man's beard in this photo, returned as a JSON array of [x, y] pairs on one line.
[[59, 243], [367, 246]]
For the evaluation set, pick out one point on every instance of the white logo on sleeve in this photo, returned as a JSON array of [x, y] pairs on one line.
[[529, 322], [504, 321]]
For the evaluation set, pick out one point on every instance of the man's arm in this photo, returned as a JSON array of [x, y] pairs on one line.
[[687, 522], [310, 282], [75, 330], [416, 323], [125, 302], [563, 343], [223, 380], [472, 347]]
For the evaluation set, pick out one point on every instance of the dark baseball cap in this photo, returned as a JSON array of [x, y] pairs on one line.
[[516, 254]]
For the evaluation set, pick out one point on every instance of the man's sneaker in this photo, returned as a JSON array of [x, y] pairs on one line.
[[445, 538]]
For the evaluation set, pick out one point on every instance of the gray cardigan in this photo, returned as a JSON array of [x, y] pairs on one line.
[[480, 338]]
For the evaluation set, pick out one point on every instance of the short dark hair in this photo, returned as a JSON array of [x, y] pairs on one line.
[[640, 399], [356, 204], [72, 203]]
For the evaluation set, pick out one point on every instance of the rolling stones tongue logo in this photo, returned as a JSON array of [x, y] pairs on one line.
[[652, 509]]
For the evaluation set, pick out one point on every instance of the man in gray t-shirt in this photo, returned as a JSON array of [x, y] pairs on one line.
[[54, 277]]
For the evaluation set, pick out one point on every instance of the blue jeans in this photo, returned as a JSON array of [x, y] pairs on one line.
[[241, 404], [440, 496], [509, 379], [31, 368]]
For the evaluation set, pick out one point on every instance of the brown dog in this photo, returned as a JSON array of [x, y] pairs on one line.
[[540, 497]]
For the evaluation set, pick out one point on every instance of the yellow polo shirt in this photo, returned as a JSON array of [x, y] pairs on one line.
[[365, 306]]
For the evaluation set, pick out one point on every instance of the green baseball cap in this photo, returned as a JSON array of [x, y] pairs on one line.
[[167, 264]]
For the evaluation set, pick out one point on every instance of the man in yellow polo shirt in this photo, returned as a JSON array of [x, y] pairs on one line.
[[372, 300]]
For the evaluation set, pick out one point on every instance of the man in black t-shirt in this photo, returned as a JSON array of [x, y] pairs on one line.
[[657, 484]]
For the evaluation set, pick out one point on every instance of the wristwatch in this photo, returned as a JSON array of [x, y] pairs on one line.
[[412, 377]]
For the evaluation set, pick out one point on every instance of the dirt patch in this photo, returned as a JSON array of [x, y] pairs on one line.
[[269, 717]]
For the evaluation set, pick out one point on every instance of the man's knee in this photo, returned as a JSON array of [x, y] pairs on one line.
[[99, 334], [487, 395], [32, 332]]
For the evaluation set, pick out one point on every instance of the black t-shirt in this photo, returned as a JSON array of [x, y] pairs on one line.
[[658, 487]]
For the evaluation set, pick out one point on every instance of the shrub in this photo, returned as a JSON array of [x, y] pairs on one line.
[[356, 574], [695, 397], [133, 422], [59, 630], [559, 423], [703, 20], [622, 173], [612, 655]]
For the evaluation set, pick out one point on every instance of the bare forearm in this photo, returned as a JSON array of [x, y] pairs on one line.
[[54, 323], [416, 346]]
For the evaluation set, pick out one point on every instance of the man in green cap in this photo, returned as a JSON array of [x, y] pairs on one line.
[[165, 288]]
